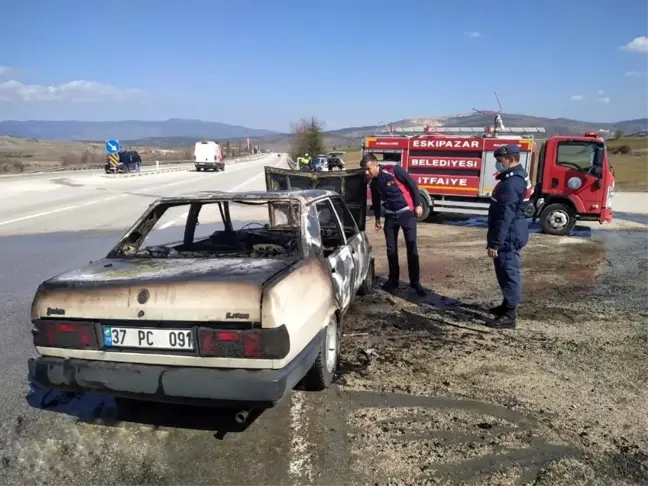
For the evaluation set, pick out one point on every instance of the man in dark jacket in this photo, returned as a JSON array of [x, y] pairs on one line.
[[508, 232], [394, 191]]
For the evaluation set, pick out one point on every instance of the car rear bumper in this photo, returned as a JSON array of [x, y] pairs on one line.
[[209, 165], [174, 383]]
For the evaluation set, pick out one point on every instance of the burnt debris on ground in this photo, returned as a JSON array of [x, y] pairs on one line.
[[577, 364]]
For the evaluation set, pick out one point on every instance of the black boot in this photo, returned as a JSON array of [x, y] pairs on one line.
[[389, 285], [499, 310], [506, 320], [394, 273], [419, 289]]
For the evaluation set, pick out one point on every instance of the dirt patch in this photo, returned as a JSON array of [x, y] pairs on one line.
[[576, 367]]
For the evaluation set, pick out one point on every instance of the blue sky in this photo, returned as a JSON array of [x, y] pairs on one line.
[[262, 63]]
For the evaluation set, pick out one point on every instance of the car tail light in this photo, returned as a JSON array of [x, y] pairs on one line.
[[65, 334], [256, 343]]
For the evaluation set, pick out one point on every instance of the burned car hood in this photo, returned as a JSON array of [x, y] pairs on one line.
[[202, 290]]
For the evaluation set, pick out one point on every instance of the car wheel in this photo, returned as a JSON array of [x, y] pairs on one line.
[[320, 376], [198, 169], [367, 283], [557, 219]]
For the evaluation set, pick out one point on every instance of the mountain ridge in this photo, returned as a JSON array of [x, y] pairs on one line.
[[176, 132]]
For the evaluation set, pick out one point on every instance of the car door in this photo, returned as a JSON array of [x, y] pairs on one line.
[[338, 253], [350, 184], [356, 240]]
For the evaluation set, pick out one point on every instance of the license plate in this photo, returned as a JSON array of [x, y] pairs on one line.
[[128, 337]]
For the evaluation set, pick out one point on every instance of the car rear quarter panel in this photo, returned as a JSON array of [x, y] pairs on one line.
[[303, 301], [177, 301]]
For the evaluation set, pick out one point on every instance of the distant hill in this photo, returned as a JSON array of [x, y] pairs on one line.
[[128, 129], [353, 136], [184, 133]]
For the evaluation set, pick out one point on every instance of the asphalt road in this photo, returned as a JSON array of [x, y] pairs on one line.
[[54, 224], [58, 222]]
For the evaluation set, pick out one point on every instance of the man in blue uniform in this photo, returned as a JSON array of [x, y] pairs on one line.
[[508, 232], [396, 193]]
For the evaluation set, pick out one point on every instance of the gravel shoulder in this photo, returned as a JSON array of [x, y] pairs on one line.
[[560, 400]]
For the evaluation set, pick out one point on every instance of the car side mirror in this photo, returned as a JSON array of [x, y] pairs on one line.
[[597, 184]]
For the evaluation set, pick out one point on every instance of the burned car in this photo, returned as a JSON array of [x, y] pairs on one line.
[[213, 296]]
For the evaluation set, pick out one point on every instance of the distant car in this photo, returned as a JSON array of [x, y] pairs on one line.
[[213, 312], [208, 155], [335, 161], [319, 164]]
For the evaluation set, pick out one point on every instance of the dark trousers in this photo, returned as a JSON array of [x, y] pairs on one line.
[[507, 270], [393, 223]]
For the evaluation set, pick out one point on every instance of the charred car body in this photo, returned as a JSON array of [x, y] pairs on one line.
[[219, 314]]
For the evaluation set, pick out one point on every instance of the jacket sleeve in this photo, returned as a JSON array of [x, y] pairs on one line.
[[504, 211], [375, 199], [405, 178]]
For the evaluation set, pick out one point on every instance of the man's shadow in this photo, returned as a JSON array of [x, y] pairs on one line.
[[464, 315], [112, 411]]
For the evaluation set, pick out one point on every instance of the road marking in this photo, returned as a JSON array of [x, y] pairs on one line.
[[76, 206], [170, 223], [300, 466], [44, 213]]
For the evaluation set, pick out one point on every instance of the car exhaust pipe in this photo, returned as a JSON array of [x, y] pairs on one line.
[[241, 416]]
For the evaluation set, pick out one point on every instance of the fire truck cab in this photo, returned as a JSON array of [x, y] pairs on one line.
[[570, 177]]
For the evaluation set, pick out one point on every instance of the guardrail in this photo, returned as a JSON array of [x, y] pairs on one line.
[[70, 168]]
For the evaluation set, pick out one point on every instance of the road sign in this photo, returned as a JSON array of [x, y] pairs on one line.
[[112, 146]]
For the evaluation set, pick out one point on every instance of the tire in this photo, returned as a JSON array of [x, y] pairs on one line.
[[320, 376], [367, 284], [557, 219], [198, 169], [426, 210]]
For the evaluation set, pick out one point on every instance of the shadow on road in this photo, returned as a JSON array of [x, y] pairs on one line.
[[631, 217], [111, 411], [482, 222]]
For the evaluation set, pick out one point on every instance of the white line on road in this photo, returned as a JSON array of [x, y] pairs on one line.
[[44, 213], [300, 466], [69, 208]]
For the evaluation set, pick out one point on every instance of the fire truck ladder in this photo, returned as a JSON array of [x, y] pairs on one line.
[[425, 130], [492, 131]]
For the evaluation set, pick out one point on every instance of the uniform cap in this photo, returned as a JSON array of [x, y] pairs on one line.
[[507, 150]]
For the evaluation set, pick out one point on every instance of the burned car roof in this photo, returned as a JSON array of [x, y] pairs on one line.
[[304, 196]]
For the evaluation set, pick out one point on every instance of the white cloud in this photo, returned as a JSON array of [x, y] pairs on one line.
[[632, 73], [600, 92], [605, 99], [473, 35], [4, 70], [638, 44], [75, 91], [577, 97]]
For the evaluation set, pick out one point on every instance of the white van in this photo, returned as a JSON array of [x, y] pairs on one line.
[[208, 156]]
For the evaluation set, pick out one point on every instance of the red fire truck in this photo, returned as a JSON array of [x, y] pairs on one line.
[[455, 170]]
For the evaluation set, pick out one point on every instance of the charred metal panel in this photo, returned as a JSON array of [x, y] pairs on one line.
[[350, 184], [126, 271], [313, 234], [343, 269]]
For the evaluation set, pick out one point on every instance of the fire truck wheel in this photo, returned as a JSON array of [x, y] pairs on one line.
[[557, 219], [426, 210]]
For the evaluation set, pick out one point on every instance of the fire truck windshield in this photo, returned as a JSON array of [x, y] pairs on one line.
[[585, 156]]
